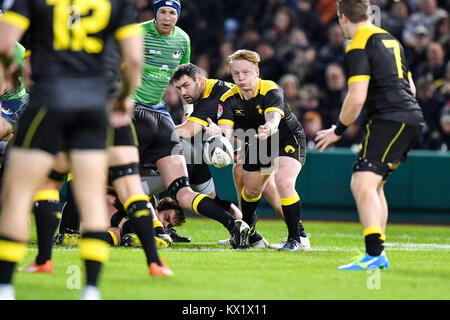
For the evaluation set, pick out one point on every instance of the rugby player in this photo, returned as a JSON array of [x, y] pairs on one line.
[[67, 112], [379, 82]]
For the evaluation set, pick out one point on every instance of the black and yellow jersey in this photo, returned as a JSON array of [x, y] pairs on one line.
[[250, 114], [67, 41], [208, 106], [375, 55]]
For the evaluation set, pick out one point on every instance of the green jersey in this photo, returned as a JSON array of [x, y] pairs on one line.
[[161, 56], [20, 60]]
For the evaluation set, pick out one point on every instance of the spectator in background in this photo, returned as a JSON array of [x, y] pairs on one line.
[[428, 15], [431, 103], [312, 123], [444, 90], [334, 50], [223, 70], [336, 90], [173, 104], [309, 99], [306, 67], [395, 19], [327, 10], [249, 39], [308, 19], [442, 35], [298, 40], [440, 138], [418, 52], [203, 61], [434, 65], [270, 66], [291, 86], [284, 21]]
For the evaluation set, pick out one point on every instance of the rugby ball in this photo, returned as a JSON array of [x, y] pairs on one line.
[[218, 151]]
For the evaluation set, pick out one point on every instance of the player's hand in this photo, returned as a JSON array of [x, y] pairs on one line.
[[325, 138], [212, 129], [121, 111], [264, 132]]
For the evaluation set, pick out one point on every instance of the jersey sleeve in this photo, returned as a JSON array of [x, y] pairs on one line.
[[187, 56], [274, 101], [357, 65], [200, 114], [19, 14], [127, 25], [225, 111]]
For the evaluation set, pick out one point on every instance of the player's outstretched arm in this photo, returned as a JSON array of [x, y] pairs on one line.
[[273, 119], [351, 109]]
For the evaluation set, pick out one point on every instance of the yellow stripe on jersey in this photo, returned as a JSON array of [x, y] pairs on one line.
[[276, 109], [128, 31], [233, 91], [226, 121], [198, 120], [44, 195], [157, 223], [265, 86], [16, 20], [291, 200], [409, 74], [12, 251], [209, 86], [362, 35], [94, 249], [134, 198], [70, 177], [358, 78]]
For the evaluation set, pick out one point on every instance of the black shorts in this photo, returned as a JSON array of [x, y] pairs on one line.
[[124, 136], [293, 146], [54, 130], [385, 145], [156, 136]]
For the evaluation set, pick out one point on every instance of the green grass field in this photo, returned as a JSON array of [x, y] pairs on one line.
[[419, 267]]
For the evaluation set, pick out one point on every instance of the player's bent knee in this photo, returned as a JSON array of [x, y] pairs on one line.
[[177, 185]]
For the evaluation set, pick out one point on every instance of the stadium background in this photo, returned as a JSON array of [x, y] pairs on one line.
[[302, 47]]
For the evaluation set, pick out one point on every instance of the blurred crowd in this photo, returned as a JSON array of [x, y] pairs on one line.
[[302, 49]]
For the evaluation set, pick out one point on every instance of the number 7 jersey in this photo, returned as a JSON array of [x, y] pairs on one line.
[[375, 55]]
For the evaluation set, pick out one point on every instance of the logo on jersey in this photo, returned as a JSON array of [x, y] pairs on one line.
[[7, 111], [239, 113], [152, 51], [258, 107], [289, 149], [176, 54], [164, 67], [219, 111]]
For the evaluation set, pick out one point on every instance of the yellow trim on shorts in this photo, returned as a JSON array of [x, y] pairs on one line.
[[94, 249], [33, 127], [291, 200], [248, 199], [133, 131], [197, 200], [44, 195], [128, 31], [16, 20], [392, 142], [372, 230], [367, 139], [12, 251], [134, 198]]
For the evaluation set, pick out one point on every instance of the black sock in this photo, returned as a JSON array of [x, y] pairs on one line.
[[374, 245], [248, 208], [141, 219], [70, 220], [11, 252], [204, 205], [47, 215], [292, 212], [127, 227], [301, 229], [223, 203], [94, 251]]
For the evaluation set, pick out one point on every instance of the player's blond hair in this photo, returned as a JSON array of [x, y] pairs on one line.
[[243, 54]]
